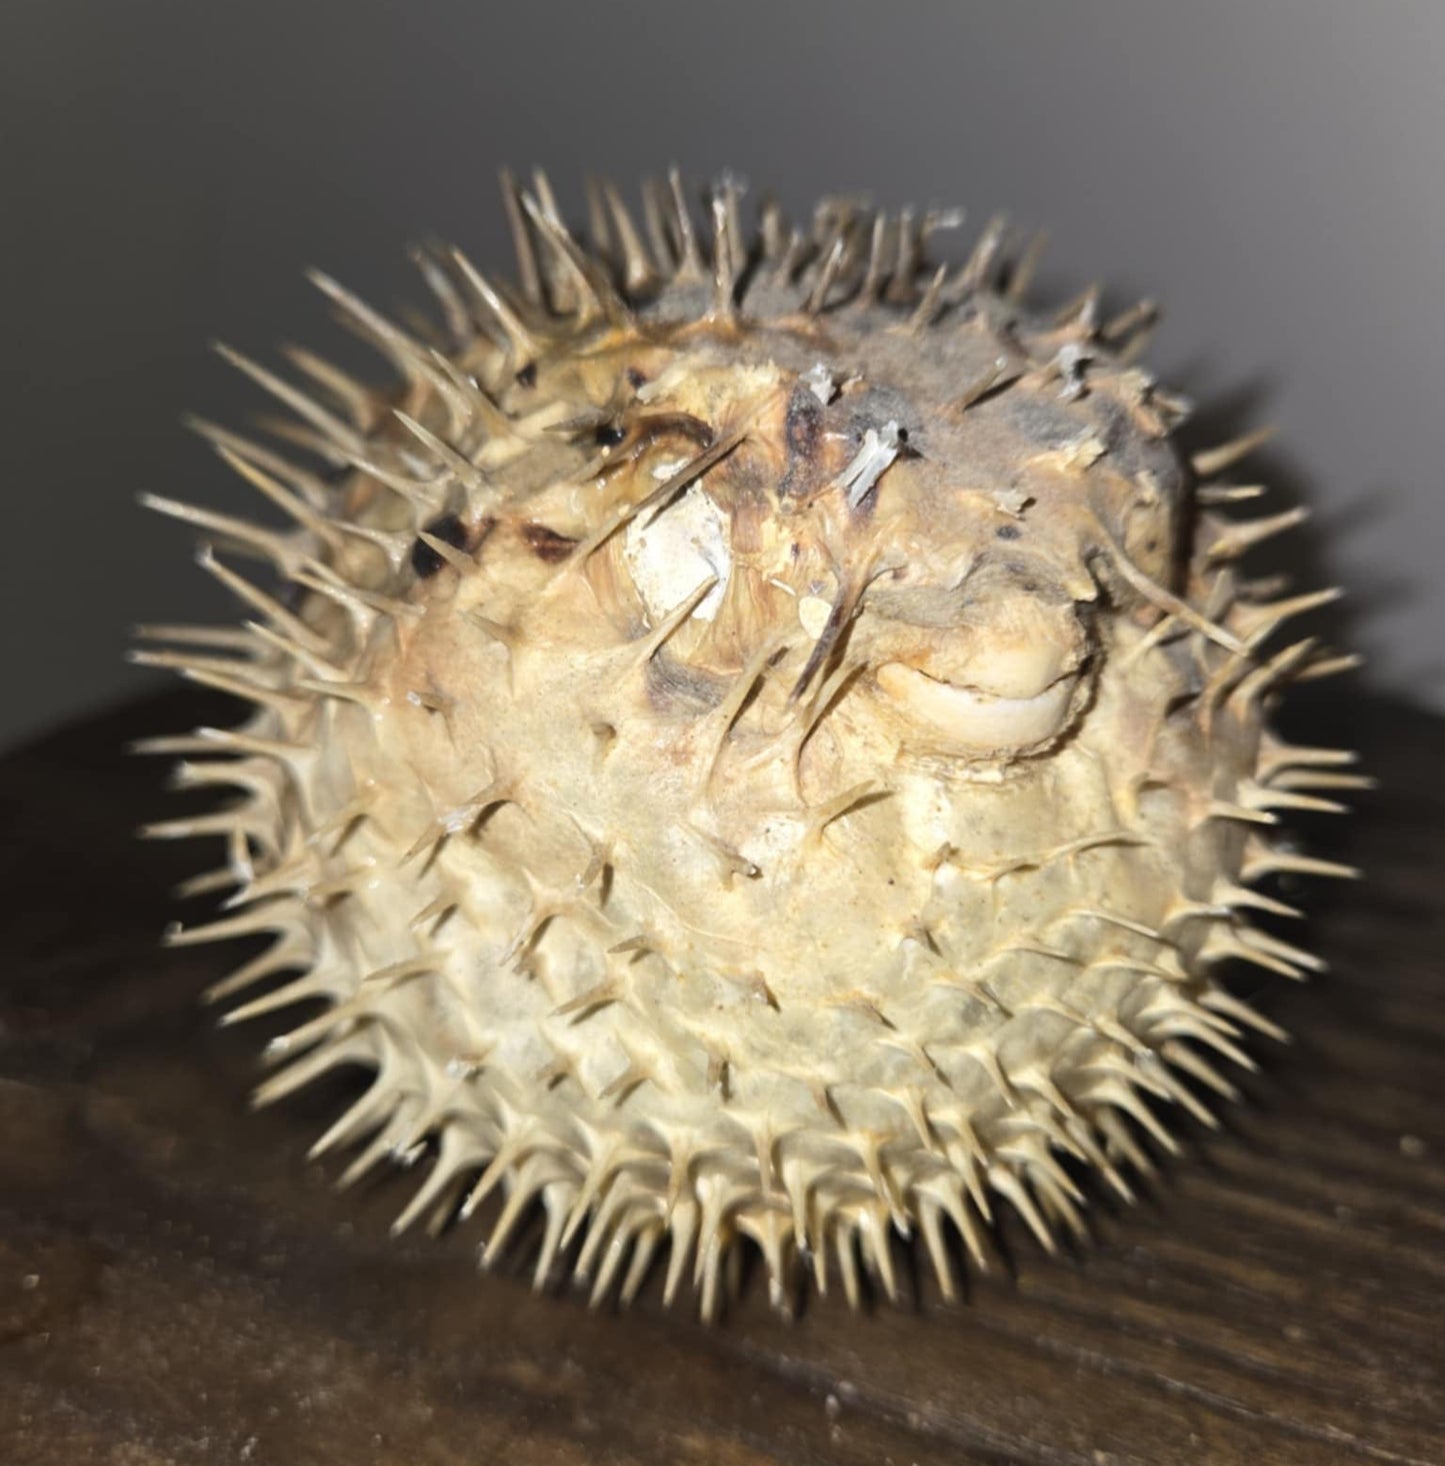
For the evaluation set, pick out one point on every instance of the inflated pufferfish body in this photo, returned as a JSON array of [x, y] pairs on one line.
[[763, 750]]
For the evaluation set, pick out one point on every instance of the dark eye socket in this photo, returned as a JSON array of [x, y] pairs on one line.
[[447, 527], [609, 434]]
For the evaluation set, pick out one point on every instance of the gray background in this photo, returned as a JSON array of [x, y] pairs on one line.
[[1270, 168]]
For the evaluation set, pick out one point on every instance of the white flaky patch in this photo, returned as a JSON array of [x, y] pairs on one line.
[[880, 447], [821, 383], [813, 612], [675, 552]]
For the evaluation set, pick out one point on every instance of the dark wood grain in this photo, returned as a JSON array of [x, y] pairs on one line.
[[178, 1285]]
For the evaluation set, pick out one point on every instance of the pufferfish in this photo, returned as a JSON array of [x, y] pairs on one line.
[[758, 742]]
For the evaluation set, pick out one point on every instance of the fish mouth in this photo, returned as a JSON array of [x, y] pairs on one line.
[[970, 720]]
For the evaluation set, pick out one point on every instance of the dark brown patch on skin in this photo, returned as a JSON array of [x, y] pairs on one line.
[[446, 527], [802, 428], [681, 691], [645, 431], [546, 544], [674, 424]]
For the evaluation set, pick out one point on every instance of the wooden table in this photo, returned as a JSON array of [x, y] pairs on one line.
[[178, 1285]]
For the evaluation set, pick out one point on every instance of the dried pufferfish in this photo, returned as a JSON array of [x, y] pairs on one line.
[[760, 746]]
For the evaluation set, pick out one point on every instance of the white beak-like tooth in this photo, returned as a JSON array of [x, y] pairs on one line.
[[974, 722]]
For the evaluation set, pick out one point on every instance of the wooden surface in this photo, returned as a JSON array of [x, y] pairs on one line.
[[178, 1285]]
